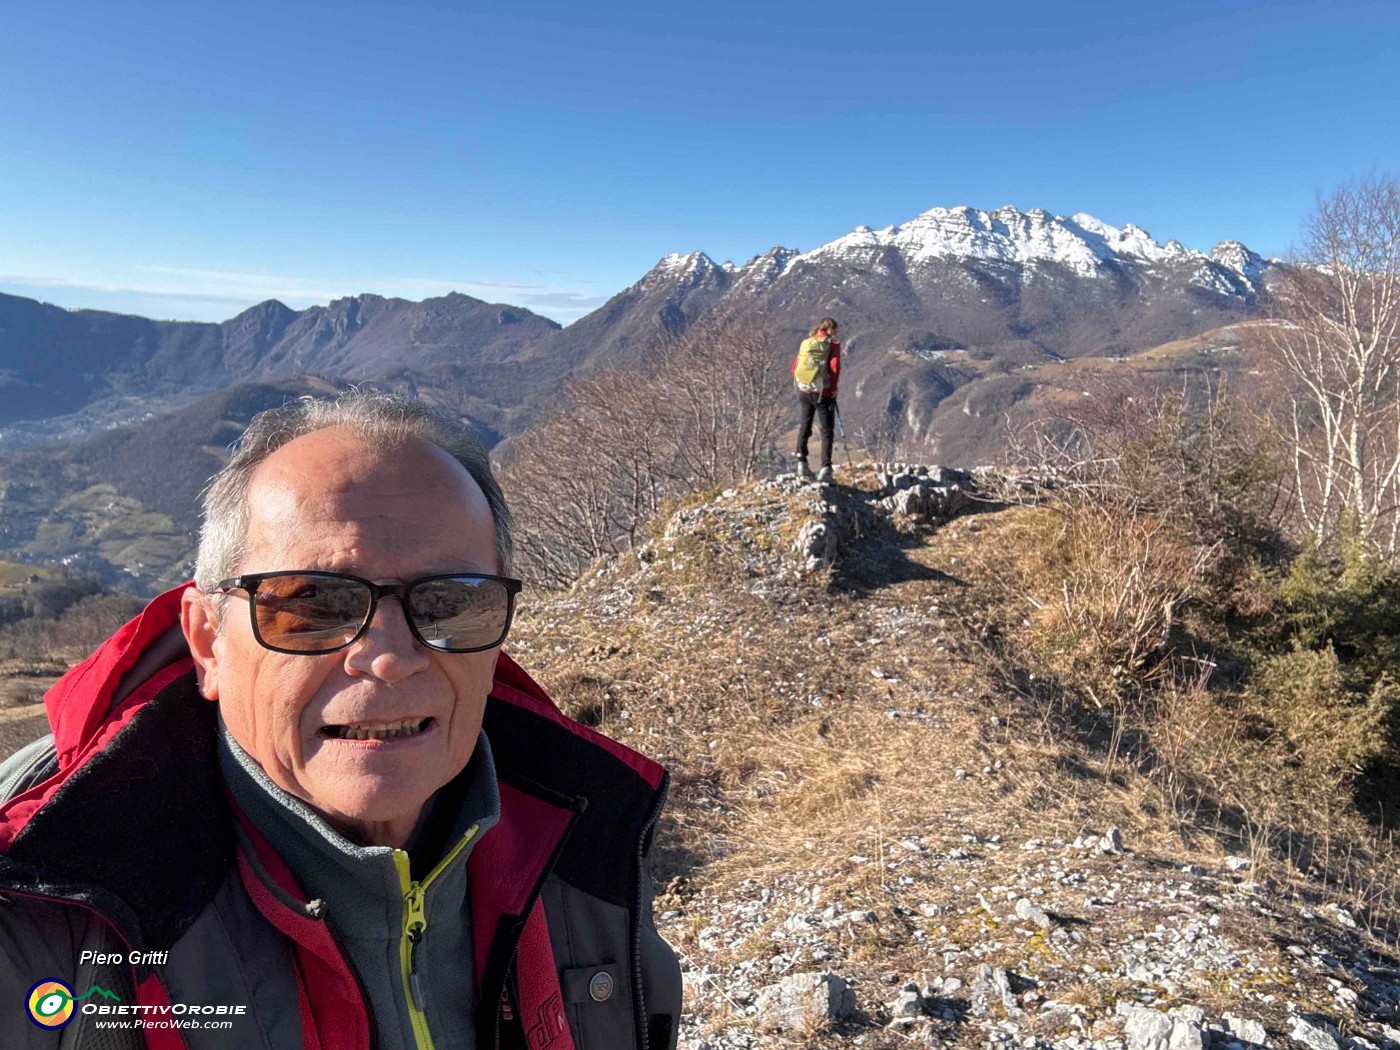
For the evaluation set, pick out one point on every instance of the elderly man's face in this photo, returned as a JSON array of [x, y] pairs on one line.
[[325, 501]]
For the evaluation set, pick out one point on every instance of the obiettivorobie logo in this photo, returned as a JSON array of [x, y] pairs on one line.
[[50, 1002]]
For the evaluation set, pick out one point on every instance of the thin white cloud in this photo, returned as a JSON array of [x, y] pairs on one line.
[[40, 281], [272, 286], [216, 290]]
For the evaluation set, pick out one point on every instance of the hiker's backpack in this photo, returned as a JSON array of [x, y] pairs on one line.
[[810, 369]]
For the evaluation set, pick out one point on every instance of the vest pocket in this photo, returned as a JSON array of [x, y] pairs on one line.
[[599, 1006]]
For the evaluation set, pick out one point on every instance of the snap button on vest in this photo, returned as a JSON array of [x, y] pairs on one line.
[[601, 987]]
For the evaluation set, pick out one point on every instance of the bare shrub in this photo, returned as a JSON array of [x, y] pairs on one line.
[[883, 438], [701, 412], [727, 391], [1214, 468], [79, 629], [584, 480], [89, 622], [1159, 505], [1113, 581], [1244, 679]]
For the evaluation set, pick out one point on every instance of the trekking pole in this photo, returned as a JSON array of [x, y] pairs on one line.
[[841, 429]]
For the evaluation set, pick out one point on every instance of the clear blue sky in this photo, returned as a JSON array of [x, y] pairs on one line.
[[189, 159]]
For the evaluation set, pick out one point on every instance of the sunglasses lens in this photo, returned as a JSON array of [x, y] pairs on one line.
[[460, 613], [309, 614]]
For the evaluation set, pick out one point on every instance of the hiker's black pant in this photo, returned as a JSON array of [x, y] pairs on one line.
[[825, 408]]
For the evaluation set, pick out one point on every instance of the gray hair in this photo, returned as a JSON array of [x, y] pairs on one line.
[[383, 421]]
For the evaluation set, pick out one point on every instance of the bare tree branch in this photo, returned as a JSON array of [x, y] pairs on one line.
[[1336, 338]]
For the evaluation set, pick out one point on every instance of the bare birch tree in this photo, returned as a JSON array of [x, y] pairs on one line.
[[1336, 337]]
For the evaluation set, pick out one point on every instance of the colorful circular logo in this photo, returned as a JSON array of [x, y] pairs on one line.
[[50, 1004]]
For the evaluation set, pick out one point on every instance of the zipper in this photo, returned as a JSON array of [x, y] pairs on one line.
[[638, 985], [41, 757], [415, 928]]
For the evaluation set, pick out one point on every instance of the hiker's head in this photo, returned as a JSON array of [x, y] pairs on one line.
[[825, 329], [359, 705]]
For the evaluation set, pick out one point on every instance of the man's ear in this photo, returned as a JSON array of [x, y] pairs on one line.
[[201, 626]]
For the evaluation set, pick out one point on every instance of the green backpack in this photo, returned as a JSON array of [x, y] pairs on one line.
[[810, 370]]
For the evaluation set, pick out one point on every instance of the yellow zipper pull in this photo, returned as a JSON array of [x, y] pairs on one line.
[[415, 925]]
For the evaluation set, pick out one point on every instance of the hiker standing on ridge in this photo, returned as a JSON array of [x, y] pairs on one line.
[[816, 370]]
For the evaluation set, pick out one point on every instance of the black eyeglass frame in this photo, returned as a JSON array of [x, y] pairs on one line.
[[251, 582]]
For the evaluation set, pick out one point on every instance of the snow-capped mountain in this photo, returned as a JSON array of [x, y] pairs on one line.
[[1235, 257], [1066, 285], [1081, 243]]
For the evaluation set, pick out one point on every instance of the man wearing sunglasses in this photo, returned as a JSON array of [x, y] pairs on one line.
[[308, 797]]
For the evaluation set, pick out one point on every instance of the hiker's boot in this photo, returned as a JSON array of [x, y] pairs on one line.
[[825, 475], [804, 472]]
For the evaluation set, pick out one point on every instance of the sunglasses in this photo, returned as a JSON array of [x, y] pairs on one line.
[[314, 613]]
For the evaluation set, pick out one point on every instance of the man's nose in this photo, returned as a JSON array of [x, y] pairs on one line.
[[387, 650]]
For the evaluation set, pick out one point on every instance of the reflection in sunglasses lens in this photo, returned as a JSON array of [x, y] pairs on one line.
[[460, 613], [307, 613]]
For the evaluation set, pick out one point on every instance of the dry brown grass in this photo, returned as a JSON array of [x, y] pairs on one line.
[[22, 693], [813, 732], [786, 762], [1106, 592]]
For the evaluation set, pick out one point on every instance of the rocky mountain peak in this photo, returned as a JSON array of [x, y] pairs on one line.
[[684, 263], [1235, 256], [266, 308], [762, 270], [1082, 243]]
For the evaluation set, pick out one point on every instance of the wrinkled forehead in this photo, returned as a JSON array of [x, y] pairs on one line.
[[331, 487]]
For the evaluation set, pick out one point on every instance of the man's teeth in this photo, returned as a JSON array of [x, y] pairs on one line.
[[385, 731]]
